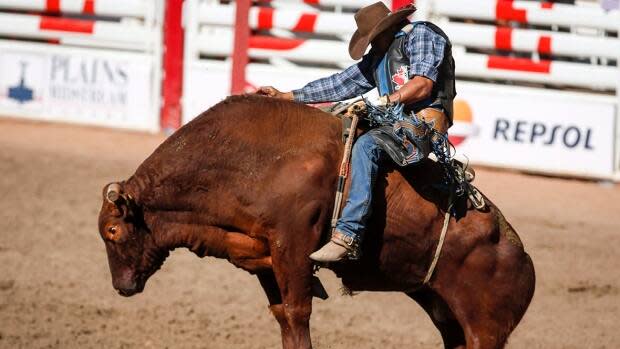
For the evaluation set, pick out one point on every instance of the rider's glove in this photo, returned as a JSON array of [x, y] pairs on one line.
[[382, 101]]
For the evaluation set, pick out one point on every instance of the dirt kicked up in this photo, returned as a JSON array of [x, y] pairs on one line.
[[55, 288]]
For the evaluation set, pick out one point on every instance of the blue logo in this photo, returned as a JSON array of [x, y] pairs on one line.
[[21, 93]]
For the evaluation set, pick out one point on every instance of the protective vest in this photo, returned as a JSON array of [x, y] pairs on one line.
[[392, 72]]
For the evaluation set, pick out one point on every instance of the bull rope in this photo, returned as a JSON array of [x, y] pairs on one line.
[[442, 238]]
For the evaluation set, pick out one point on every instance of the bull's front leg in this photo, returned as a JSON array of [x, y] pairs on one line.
[[292, 275], [293, 315], [290, 245]]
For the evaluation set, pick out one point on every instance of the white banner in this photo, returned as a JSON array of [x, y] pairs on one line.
[[555, 132], [85, 86]]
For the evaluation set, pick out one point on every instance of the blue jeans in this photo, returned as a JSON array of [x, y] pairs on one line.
[[365, 159]]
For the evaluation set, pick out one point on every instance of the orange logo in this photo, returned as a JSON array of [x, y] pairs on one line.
[[463, 123]]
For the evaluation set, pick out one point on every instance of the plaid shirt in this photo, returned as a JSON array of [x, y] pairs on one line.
[[425, 49]]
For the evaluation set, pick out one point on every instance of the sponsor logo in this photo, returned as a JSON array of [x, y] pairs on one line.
[[401, 77], [540, 133], [88, 80], [463, 126], [21, 92]]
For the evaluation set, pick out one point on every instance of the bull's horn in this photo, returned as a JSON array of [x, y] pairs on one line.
[[113, 193]]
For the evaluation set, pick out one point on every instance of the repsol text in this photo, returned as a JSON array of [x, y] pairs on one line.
[[519, 131]]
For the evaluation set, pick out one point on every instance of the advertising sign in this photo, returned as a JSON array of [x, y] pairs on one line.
[[534, 129], [78, 85]]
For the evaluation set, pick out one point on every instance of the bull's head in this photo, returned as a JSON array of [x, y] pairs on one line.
[[133, 254]]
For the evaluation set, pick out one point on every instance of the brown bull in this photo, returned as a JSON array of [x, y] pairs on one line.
[[252, 180]]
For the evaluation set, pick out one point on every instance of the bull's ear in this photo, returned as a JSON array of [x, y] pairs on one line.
[[113, 192], [124, 203]]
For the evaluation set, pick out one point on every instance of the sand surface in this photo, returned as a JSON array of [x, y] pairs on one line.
[[56, 291]]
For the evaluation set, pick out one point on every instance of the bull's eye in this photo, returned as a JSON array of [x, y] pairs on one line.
[[113, 233]]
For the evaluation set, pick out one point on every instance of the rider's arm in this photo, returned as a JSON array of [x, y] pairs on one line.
[[352, 82], [426, 51]]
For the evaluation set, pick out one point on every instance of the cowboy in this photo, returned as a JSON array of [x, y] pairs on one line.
[[410, 63]]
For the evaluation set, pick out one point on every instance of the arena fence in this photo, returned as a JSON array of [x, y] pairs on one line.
[[538, 82], [95, 62]]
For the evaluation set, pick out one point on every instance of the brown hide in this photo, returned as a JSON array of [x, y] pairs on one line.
[[253, 180]]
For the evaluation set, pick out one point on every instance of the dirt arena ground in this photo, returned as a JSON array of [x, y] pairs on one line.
[[56, 292]]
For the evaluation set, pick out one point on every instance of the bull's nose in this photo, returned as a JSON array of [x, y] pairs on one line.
[[127, 292], [124, 280], [126, 287]]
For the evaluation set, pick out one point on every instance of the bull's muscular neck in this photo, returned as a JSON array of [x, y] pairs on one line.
[[209, 221], [246, 252], [208, 230]]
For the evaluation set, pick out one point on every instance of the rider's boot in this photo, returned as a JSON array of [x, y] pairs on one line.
[[347, 235], [340, 247]]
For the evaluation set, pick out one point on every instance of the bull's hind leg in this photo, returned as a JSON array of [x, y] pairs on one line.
[[499, 304], [489, 293], [443, 318], [474, 331]]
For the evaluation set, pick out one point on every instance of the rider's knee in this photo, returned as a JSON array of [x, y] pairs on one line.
[[364, 145]]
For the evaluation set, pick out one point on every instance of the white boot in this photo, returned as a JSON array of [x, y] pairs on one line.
[[330, 252], [340, 247]]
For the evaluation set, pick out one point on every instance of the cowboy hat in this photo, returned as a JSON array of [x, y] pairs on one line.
[[371, 21]]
